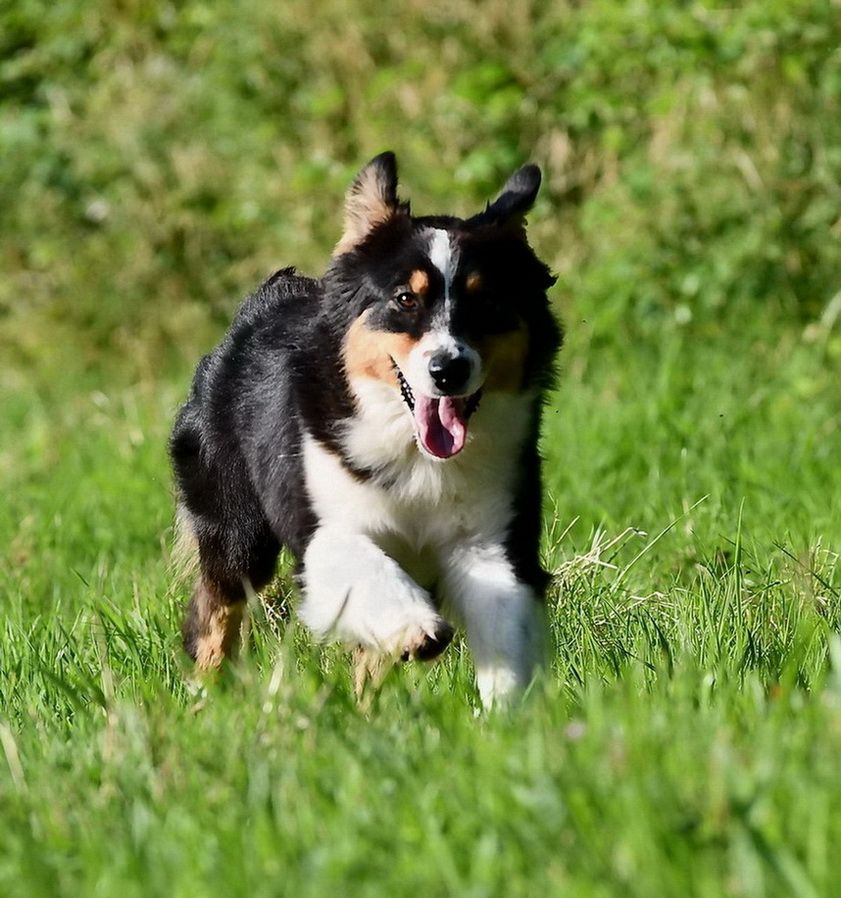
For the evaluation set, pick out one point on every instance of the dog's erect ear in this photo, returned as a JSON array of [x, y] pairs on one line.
[[371, 200], [515, 200]]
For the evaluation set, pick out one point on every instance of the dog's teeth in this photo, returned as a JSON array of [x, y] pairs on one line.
[[405, 389]]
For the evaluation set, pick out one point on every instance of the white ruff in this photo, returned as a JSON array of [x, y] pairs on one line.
[[425, 500]]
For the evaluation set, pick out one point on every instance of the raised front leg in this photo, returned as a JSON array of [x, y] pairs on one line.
[[503, 618], [358, 595]]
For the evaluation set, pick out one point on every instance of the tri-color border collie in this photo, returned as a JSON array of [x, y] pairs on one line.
[[382, 424]]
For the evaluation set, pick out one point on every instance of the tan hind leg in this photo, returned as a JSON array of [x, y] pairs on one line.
[[212, 627]]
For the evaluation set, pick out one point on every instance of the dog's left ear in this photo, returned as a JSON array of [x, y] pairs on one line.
[[370, 201], [515, 200]]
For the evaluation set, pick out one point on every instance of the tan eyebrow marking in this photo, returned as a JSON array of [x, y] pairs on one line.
[[473, 282], [419, 281]]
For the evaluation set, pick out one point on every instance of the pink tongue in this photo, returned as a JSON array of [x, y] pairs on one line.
[[441, 425]]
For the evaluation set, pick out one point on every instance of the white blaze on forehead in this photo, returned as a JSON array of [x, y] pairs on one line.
[[440, 250], [444, 257]]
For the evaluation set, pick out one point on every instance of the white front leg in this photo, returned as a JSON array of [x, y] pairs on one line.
[[502, 616], [356, 594]]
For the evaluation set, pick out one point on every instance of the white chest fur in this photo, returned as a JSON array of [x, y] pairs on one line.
[[417, 500]]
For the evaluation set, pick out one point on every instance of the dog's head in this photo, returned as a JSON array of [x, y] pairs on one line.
[[439, 308]]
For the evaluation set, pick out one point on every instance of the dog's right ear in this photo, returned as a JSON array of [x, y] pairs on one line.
[[514, 201], [371, 200]]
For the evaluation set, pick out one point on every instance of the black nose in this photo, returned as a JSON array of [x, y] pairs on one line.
[[449, 373]]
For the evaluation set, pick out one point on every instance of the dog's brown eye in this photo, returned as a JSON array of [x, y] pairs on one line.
[[406, 300]]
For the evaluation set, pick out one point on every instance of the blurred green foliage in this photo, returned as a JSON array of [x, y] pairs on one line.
[[160, 159]]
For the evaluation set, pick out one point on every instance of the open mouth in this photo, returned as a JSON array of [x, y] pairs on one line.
[[440, 421]]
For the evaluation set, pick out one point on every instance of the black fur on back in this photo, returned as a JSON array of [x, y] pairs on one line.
[[236, 445]]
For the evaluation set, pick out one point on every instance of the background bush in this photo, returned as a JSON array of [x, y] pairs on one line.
[[160, 159]]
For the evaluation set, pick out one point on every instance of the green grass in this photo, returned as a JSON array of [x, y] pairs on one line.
[[158, 160], [684, 740]]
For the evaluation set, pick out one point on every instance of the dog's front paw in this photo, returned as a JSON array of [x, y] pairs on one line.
[[416, 633], [423, 645]]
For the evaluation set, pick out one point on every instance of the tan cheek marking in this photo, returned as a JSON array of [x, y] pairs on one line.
[[473, 282], [505, 358], [368, 353], [419, 282]]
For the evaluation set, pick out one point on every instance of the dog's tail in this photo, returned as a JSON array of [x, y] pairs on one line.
[[184, 552]]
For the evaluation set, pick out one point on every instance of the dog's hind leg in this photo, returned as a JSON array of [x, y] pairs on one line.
[[232, 562], [212, 625], [237, 549]]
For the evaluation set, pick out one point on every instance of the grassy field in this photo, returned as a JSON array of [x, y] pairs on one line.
[[684, 740]]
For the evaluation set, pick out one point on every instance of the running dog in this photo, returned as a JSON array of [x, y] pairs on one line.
[[381, 423]]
